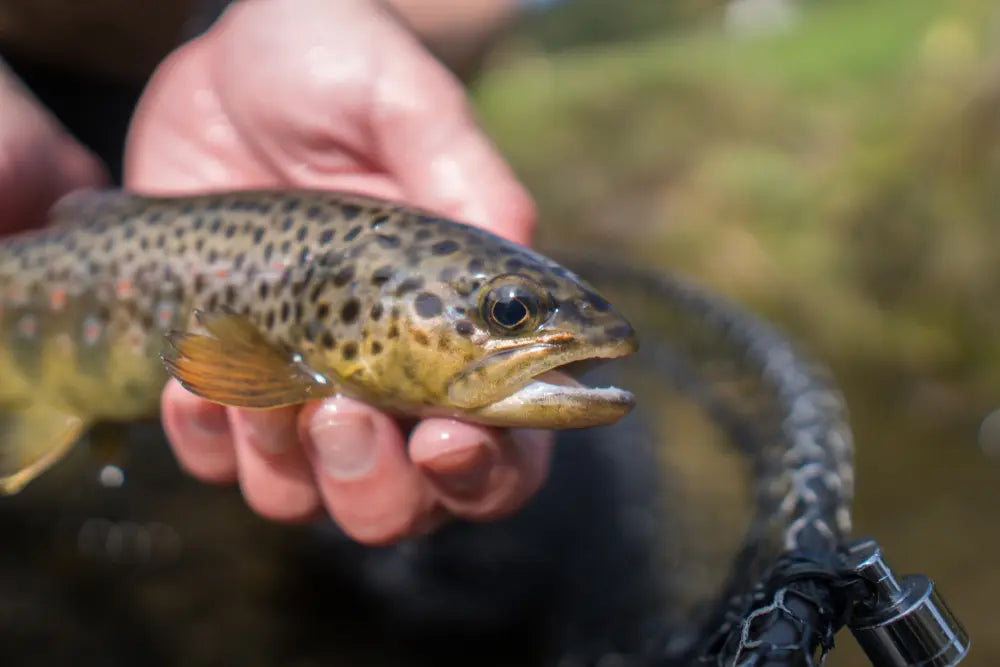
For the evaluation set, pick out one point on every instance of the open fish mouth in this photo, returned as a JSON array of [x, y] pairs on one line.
[[552, 395], [564, 381]]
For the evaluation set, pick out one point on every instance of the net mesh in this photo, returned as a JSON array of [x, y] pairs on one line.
[[786, 595]]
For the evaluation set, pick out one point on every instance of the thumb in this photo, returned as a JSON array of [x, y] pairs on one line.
[[427, 137]]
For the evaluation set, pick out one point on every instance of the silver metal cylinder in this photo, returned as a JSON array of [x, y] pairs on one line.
[[907, 624]]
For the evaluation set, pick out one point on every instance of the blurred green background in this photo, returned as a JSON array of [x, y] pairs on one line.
[[835, 167]]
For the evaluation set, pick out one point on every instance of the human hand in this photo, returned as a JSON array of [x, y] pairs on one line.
[[334, 95]]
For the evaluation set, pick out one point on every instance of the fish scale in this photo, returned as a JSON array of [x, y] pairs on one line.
[[267, 298]]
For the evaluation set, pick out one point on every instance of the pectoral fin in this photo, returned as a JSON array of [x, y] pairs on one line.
[[31, 440], [235, 365]]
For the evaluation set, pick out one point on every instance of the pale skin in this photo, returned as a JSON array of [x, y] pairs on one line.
[[328, 95]]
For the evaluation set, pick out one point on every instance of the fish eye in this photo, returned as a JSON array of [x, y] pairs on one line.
[[513, 304]]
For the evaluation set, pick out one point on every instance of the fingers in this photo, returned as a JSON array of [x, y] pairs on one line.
[[199, 433], [367, 481], [480, 473], [275, 476], [39, 160], [426, 136], [350, 460]]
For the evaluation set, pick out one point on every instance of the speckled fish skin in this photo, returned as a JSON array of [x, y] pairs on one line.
[[338, 293]]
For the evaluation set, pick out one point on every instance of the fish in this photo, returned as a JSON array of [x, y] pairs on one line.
[[267, 298]]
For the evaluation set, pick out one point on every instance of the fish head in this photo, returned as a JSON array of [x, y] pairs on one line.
[[496, 334]]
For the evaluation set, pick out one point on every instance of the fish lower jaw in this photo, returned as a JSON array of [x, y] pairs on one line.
[[556, 400]]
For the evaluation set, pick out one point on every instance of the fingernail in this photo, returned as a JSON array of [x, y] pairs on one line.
[[210, 419], [344, 443], [464, 470]]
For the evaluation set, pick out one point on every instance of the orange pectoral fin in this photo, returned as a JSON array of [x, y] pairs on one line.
[[235, 365]]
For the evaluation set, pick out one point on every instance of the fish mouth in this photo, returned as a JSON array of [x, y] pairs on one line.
[[563, 378], [544, 389]]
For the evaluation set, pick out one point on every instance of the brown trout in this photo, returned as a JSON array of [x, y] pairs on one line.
[[262, 299]]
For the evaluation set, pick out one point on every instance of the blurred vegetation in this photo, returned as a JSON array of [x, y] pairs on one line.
[[839, 177]]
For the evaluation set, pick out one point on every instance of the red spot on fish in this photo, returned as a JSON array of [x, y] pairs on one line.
[[164, 315], [91, 330], [57, 299], [222, 273], [123, 288]]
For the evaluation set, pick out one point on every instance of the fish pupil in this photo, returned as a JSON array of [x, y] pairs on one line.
[[510, 312]]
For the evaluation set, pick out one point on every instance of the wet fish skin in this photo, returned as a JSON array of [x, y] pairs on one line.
[[278, 297]]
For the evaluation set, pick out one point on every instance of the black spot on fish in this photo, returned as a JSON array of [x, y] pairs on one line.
[[376, 312], [388, 240], [239, 260], [304, 254], [213, 301], [350, 211], [199, 283], [314, 212], [393, 332], [344, 276], [215, 226], [464, 328], [476, 265], [328, 341], [230, 295], [269, 319], [290, 206], [376, 347], [161, 240], [213, 255], [263, 290], [409, 285], [444, 247], [423, 234], [258, 234], [301, 235], [428, 305], [323, 311], [129, 231], [198, 223], [382, 275], [286, 310], [144, 243], [350, 351], [286, 246], [353, 234], [287, 223], [268, 251], [378, 221], [315, 292], [231, 230], [298, 312], [349, 312], [326, 236]]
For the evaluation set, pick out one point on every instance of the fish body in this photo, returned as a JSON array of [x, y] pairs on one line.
[[267, 298]]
